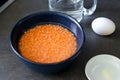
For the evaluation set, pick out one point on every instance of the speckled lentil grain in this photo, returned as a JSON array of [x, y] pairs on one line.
[[47, 43]]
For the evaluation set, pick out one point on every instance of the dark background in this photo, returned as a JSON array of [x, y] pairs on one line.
[[11, 68]]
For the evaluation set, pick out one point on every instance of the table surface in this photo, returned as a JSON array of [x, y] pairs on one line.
[[11, 68]]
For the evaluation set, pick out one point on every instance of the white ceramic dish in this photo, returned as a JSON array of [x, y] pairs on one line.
[[103, 67]]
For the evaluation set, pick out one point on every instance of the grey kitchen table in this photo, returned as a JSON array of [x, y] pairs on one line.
[[11, 68]]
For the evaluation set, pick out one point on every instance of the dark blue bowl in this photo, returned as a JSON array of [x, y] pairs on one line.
[[41, 18]]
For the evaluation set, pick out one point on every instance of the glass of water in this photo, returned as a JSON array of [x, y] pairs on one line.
[[74, 8]]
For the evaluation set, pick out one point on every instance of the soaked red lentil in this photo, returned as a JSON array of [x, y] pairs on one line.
[[47, 43]]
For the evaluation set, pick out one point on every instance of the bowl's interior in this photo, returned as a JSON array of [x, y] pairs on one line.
[[103, 67], [43, 18]]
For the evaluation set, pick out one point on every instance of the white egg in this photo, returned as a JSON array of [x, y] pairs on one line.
[[103, 26]]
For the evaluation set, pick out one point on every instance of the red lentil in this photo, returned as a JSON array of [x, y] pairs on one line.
[[47, 43]]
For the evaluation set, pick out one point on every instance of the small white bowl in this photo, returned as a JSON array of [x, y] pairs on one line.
[[103, 67]]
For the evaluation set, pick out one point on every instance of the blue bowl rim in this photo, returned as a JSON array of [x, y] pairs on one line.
[[48, 12]]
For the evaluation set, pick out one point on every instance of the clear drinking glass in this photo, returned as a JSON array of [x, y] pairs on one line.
[[74, 8]]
